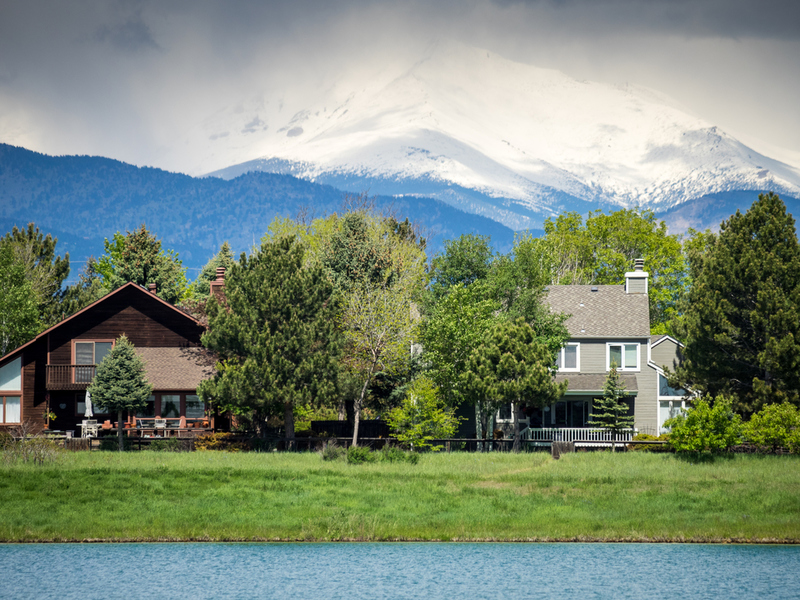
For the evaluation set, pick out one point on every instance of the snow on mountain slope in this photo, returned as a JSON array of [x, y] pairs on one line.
[[522, 140]]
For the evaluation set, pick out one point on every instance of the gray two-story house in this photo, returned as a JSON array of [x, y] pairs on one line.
[[607, 324]]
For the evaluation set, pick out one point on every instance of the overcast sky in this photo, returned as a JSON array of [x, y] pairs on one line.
[[125, 79]]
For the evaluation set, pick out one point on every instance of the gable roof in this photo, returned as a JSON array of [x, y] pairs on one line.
[[106, 298], [607, 312]]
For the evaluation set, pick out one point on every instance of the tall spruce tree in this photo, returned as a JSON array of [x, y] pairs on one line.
[[612, 413], [120, 383], [741, 321], [276, 336]]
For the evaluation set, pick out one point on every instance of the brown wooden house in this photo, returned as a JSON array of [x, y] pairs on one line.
[[51, 372]]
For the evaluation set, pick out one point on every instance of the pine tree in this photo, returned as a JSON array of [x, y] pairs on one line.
[[612, 412], [275, 336], [201, 287], [513, 366], [120, 383], [741, 322]]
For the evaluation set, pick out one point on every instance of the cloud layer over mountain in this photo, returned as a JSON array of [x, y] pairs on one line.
[[135, 79]]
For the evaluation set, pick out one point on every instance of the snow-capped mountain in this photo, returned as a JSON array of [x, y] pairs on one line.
[[494, 137]]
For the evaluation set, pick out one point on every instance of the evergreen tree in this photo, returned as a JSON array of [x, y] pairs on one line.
[[741, 321], [88, 289], [612, 412], [276, 336], [201, 287], [120, 383], [19, 316], [138, 256], [44, 270], [513, 366]]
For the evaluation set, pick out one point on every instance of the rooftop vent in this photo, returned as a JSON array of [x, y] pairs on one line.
[[594, 288]]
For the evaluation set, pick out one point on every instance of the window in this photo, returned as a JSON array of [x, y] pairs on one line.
[[569, 357], [504, 415], [170, 406], [668, 409], [11, 381], [149, 410], [10, 409], [194, 407], [624, 356], [665, 391], [87, 355]]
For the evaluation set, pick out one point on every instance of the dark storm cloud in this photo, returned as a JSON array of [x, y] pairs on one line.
[[769, 19], [132, 35], [127, 78]]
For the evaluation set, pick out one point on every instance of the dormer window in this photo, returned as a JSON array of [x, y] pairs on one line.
[[624, 356], [569, 357]]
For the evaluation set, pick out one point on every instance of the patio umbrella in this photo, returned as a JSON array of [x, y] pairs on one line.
[[88, 414]]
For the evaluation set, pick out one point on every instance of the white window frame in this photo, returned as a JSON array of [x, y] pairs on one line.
[[514, 410], [561, 357], [623, 344]]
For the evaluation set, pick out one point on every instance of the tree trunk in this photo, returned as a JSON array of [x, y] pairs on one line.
[[479, 430], [288, 422], [120, 427], [357, 410], [517, 444], [342, 411]]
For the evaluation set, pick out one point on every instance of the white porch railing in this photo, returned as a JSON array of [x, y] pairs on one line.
[[575, 434]]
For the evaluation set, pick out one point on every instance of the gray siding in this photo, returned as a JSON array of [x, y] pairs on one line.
[[637, 285], [593, 356], [665, 354]]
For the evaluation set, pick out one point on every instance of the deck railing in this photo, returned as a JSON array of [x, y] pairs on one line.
[[575, 434], [70, 377]]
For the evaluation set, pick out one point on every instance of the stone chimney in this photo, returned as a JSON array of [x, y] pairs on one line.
[[636, 280], [151, 287], [218, 285]]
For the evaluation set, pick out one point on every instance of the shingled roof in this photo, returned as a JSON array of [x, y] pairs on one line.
[[607, 312], [176, 368], [585, 383]]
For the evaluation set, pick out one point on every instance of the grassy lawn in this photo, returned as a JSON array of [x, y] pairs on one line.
[[225, 496]]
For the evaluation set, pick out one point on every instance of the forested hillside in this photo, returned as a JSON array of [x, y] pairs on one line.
[[82, 200]]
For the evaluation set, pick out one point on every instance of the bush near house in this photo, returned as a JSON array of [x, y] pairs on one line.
[[775, 427], [706, 427]]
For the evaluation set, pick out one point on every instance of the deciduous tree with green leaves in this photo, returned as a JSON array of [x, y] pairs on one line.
[[120, 384], [610, 411], [466, 259], [19, 315], [276, 336], [775, 426], [741, 317], [709, 426], [44, 270], [603, 249]]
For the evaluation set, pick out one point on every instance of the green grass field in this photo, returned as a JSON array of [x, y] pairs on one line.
[[218, 496]]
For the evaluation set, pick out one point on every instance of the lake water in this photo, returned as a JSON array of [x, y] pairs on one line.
[[399, 570]]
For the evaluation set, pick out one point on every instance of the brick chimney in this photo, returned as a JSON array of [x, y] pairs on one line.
[[218, 285], [636, 280]]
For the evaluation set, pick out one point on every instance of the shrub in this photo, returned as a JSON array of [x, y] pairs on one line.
[[360, 454], [36, 449], [225, 441], [646, 437], [705, 428], [775, 426], [333, 452], [394, 454], [170, 445], [111, 444]]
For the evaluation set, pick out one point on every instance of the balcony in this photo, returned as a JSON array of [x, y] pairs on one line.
[[70, 377]]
